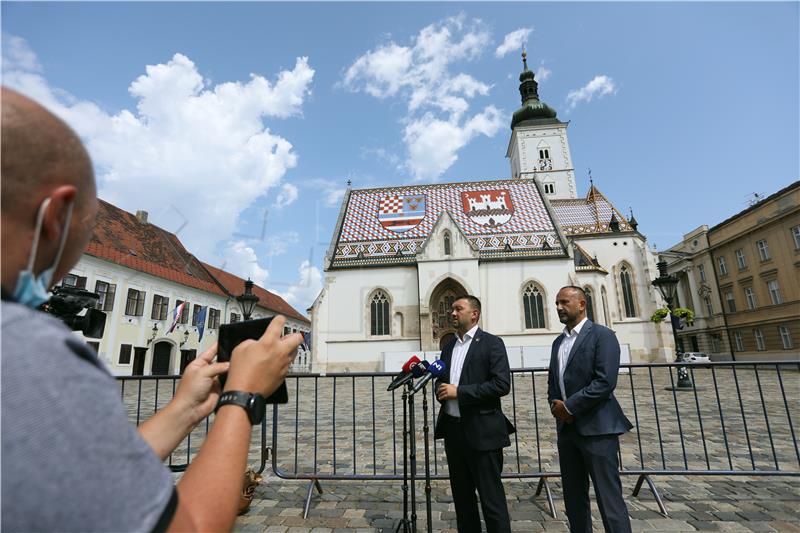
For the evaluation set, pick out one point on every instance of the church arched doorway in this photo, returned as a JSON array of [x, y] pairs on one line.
[[441, 303]]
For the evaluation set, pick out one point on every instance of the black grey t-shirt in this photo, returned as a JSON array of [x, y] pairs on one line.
[[70, 459]]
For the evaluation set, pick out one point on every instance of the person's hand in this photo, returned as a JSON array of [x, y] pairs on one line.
[[199, 388], [260, 366], [559, 410], [446, 391]]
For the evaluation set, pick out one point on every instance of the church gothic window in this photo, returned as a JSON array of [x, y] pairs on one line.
[[446, 240], [627, 292], [589, 304], [549, 188], [379, 314], [533, 304]]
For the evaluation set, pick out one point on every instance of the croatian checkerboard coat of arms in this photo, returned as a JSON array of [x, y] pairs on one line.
[[488, 208], [399, 213]]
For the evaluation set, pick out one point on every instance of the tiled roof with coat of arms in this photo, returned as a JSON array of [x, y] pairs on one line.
[[389, 225]]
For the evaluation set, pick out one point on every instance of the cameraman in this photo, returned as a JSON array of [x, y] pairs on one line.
[[70, 459]]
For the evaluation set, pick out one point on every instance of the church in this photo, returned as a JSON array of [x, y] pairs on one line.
[[399, 256]]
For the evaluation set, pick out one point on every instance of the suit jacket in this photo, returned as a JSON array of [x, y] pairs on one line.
[[589, 382], [485, 378]]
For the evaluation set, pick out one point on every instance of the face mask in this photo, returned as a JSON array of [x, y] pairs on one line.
[[30, 290]]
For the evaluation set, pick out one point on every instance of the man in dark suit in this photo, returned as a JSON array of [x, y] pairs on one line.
[[473, 426], [584, 364]]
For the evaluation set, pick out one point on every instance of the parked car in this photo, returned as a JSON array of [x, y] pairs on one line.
[[695, 357]]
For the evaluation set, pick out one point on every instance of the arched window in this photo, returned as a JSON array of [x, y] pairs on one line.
[[627, 292], [379, 314], [533, 304], [589, 304], [446, 243]]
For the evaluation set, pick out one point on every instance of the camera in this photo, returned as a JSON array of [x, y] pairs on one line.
[[68, 302]]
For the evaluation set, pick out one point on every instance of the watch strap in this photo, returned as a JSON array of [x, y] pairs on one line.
[[252, 403]]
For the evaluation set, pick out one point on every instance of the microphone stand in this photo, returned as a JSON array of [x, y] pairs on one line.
[[412, 459], [405, 522], [427, 459]]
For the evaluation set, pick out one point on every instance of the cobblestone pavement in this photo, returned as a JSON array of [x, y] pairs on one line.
[[743, 420]]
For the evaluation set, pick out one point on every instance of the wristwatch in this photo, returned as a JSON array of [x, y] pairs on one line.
[[254, 404]]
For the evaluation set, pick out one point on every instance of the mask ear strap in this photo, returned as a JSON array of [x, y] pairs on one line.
[[37, 232], [64, 234]]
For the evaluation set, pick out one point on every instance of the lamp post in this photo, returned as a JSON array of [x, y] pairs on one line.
[[154, 335], [248, 300], [666, 284]]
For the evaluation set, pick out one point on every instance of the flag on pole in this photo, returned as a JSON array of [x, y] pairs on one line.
[[201, 323], [176, 316]]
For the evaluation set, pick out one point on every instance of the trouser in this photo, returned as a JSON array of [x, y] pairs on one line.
[[595, 457], [471, 470]]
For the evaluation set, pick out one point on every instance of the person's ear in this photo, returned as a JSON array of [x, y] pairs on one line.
[[55, 215]]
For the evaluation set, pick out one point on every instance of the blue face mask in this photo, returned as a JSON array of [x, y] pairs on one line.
[[33, 291]]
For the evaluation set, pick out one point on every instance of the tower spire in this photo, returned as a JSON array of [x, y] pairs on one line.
[[532, 108]]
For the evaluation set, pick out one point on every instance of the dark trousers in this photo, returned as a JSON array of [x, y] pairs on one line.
[[594, 457], [471, 470]]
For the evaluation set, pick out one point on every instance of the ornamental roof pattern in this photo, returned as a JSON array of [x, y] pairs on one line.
[[587, 216], [390, 225]]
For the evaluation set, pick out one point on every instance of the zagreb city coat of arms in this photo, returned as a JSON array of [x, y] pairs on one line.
[[401, 213], [488, 208]]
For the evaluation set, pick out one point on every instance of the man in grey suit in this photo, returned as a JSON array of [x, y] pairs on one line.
[[584, 364]]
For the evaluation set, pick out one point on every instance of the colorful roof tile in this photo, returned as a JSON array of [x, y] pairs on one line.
[[586, 216]]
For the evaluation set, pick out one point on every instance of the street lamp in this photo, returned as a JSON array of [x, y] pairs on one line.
[[666, 284], [154, 335], [248, 300]]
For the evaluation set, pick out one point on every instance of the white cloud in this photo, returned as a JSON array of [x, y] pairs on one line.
[[513, 41], [331, 191], [301, 295], [286, 196], [241, 260], [421, 75], [279, 244], [543, 73], [193, 154], [599, 86]]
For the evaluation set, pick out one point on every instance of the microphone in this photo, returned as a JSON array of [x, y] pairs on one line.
[[435, 370], [405, 375]]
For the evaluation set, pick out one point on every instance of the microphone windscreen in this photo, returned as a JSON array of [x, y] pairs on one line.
[[437, 368], [407, 366], [420, 368]]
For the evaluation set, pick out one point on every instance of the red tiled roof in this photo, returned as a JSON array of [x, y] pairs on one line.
[[234, 285], [119, 237]]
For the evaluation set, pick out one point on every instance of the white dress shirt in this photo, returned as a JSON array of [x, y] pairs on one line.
[[563, 354], [456, 364]]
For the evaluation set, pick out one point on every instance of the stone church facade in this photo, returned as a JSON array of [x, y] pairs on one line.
[[399, 256]]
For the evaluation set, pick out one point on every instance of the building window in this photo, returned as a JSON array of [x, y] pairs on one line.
[[723, 266], [125, 354], [740, 259], [786, 337], [549, 188], [213, 318], [379, 314], [774, 292], [737, 338], [589, 304], [796, 237], [750, 296], [763, 250], [184, 319], [759, 340], [544, 153], [627, 292], [709, 307], [702, 270], [196, 315], [235, 318], [731, 302], [106, 291], [533, 303], [73, 280], [160, 307], [715, 342], [446, 240], [135, 303]]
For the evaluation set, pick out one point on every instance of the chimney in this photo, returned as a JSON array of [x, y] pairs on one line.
[[141, 216]]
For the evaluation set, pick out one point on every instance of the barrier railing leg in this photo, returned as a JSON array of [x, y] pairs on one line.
[[311, 484], [550, 503], [644, 477]]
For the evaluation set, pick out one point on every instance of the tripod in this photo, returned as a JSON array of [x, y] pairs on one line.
[[408, 526], [427, 459]]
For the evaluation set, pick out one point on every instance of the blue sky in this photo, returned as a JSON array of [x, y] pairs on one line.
[[238, 125]]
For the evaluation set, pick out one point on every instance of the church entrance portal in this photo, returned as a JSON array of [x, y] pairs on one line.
[[441, 304]]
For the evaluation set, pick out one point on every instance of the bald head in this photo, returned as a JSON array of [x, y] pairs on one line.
[[39, 152]]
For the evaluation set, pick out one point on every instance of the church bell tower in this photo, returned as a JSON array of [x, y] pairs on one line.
[[539, 148]]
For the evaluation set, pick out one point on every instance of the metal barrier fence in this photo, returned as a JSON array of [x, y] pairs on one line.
[[738, 420]]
